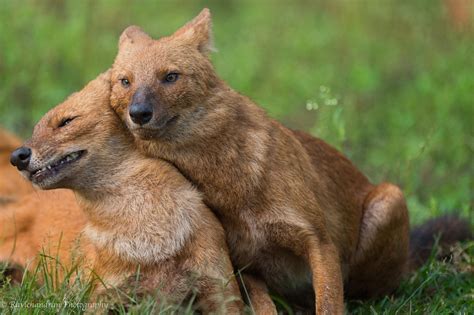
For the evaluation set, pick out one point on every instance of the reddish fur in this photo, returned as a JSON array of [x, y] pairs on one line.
[[131, 211], [296, 211]]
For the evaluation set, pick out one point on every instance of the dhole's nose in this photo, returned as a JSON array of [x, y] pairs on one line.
[[141, 113], [21, 158]]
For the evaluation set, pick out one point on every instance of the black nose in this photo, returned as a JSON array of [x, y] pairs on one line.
[[21, 158], [141, 113]]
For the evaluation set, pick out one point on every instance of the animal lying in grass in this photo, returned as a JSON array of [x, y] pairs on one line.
[[298, 215], [12, 185], [134, 212]]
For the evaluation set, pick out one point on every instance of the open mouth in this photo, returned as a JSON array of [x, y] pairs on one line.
[[54, 168]]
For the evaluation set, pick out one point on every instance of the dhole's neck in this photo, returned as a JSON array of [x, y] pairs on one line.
[[110, 177], [102, 176], [136, 213]]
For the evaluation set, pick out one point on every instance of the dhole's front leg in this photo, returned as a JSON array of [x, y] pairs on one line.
[[218, 290], [260, 300], [219, 295], [322, 258], [327, 278]]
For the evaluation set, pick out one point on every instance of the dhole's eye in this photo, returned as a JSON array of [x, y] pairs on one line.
[[171, 77], [65, 122], [125, 82]]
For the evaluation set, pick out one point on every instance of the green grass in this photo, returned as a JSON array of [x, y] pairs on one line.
[[439, 287], [43, 291], [390, 83]]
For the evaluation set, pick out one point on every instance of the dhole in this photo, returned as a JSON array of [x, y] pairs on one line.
[[297, 214], [12, 185], [49, 221], [136, 211]]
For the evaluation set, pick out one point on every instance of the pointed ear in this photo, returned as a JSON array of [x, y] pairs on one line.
[[133, 34], [198, 32]]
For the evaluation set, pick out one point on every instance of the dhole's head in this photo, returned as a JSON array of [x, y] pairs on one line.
[[159, 86], [75, 141]]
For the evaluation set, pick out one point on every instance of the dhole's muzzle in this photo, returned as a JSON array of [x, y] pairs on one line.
[[43, 171], [148, 116]]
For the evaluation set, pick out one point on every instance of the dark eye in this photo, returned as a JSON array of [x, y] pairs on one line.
[[171, 77], [65, 122], [125, 82]]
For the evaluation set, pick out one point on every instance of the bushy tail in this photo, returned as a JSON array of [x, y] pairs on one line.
[[447, 230]]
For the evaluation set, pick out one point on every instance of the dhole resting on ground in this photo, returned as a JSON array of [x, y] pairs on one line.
[[298, 214], [136, 211], [12, 185]]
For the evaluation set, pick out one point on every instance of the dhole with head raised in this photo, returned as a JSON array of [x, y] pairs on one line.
[[137, 211], [297, 213]]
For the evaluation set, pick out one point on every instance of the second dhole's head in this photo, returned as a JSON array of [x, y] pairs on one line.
[[76, 142], [159, 86]]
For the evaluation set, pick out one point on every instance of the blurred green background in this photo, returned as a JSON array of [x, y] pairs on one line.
[[390, 83]]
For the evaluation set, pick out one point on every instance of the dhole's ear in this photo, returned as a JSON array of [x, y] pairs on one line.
[[198, 32], [132, 34], [105, 76]]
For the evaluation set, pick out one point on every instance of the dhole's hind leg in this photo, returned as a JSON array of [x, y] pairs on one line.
[[382, 253]]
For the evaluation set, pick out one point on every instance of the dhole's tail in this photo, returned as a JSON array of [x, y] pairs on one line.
[[449, 228]]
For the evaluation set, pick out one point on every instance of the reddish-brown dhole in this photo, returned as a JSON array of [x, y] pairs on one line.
[[297, 213]]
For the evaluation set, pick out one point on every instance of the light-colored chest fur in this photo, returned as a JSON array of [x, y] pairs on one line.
[[142, 226]]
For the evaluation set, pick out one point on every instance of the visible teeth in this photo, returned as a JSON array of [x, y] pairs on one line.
[[68, 158]]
